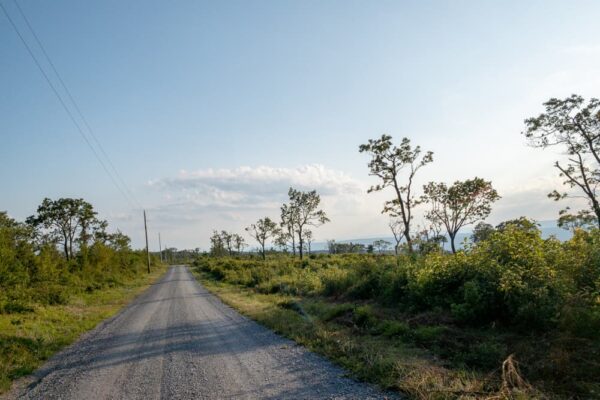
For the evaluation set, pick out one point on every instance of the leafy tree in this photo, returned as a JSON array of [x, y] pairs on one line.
[[583, 219], [387, 163], [264, 229], [575, 126], [239, 243], [284, 239], [463, 203], [119, 241], [341, 248], [381, 245], [481, 232], [522, 224], [305, 212], [227, 239], [217, 245], [430, 239], [67, 221]]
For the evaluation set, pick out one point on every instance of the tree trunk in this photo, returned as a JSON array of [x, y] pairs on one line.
[[596, 208], [300, 244], [407, 236], [452, 236], [263, 253], [66, 247]]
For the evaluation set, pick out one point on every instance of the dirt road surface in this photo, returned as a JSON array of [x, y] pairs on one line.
[[178, 341]]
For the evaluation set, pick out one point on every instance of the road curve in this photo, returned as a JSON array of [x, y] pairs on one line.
[[178, 341]]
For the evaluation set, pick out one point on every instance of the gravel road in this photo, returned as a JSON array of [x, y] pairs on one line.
[[178, 341]]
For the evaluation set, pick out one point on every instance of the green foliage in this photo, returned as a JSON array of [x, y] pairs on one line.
[[462, 203], [387, 163], [33, 271], [514, 278]]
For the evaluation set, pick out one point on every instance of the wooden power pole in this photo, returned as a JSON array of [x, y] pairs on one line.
[[147, 250]]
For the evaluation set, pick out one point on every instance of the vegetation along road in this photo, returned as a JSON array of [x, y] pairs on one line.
[[179, 341]]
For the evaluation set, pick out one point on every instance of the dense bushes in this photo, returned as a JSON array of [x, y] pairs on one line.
[[33, 270], [514, 278]]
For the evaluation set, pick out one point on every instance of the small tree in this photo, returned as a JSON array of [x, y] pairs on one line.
[[397, 228], [482, 232], [305, 206], [217, 245], [308, 237], [227, 239], [387, 163], [575, 126], [463, 203], [381, 245], [261, 231], [238, 242]]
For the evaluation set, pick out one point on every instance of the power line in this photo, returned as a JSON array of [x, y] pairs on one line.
[[75, 105], [62, 102]]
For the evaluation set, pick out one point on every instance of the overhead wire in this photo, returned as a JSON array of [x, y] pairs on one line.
[[123, 190]]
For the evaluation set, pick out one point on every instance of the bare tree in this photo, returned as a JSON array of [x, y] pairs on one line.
[[575, 126], [397, 228], [387, 163], [287, 234]]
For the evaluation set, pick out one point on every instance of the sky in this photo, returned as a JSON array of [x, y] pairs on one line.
[[210, 111]]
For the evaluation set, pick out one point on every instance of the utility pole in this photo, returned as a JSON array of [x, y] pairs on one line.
[[160, 248], [147, 250]]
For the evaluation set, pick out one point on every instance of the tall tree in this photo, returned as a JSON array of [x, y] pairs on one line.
[[262, 230], [572, 124], [306, 212], [463, 203], [65, 220], [388, 163]]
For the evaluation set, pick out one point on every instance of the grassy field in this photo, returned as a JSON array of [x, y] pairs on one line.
[[423, 354], [30, 338]]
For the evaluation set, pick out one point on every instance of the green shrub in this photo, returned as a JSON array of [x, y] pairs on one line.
[[426, 335], [364, 317], [392, 328]]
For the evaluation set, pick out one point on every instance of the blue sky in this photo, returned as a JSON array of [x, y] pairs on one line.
[[210, 110]]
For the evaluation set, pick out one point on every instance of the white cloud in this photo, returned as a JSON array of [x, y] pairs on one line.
[[253, 187]]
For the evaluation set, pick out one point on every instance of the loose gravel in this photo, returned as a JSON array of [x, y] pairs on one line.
[[178, 341]]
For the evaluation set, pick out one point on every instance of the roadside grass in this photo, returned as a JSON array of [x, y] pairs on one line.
[[30, 338], [372, 347]]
